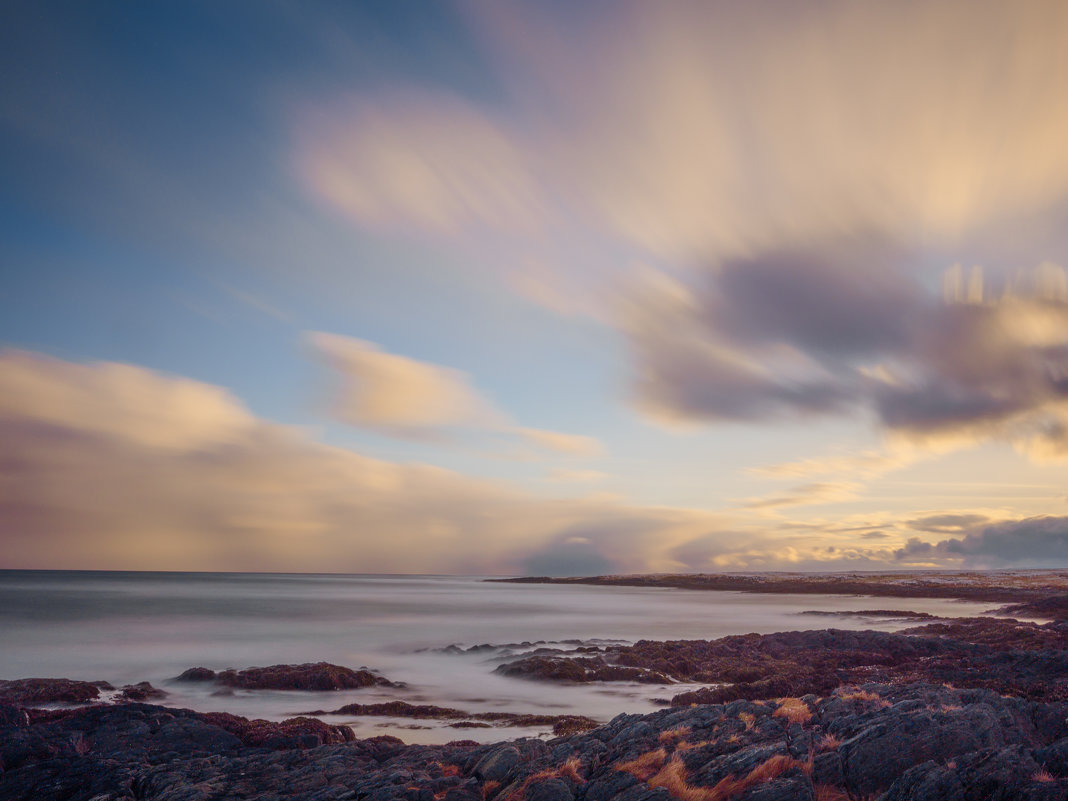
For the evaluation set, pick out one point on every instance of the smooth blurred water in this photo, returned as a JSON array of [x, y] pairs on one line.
[[130, 627]]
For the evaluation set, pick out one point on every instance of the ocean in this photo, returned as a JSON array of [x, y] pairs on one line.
[[126, 627]]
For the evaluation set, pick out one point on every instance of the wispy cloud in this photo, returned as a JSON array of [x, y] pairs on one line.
[[406, 397]]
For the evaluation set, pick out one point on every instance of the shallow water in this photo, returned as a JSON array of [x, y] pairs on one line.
[[130, 627]]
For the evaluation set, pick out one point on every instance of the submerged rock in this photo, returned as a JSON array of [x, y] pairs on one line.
[[142, 691], [317, 676]]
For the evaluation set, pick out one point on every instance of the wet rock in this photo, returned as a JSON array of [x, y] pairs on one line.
[[197, 674], [578, 669], [32, 692], [142, 691], [317, 676]]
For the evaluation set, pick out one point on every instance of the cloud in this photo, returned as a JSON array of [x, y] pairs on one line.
[[806, 494], [1030, 542], [947, 523], [801, 179], [414, 160], [114, 466], [932, 373], [576, 476], [399, 394], [719, 128], [405, 397], [569, 444]]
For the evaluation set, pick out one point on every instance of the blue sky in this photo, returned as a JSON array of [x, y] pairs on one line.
[[714, 287]]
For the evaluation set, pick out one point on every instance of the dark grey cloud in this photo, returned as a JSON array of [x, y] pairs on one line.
[[1031, 542], [835, 303], [845, 326]]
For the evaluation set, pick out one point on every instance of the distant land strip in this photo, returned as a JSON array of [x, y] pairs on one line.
[[1027, 587]]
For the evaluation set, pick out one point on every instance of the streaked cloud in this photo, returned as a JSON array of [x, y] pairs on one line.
[[806, 494], [116, 466], [576, 476], [398, 394], [406, 397], [569, 444], [796, 177], [423, 161]]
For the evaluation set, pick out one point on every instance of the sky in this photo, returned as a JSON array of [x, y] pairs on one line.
[[533, 287]]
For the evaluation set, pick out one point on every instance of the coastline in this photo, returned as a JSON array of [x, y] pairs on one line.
[[999, 586], [938, 710]]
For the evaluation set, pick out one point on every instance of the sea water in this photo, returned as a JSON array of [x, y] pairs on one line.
[[126, 627]]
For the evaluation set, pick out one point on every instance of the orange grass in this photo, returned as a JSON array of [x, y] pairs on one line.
[[828, 792], [828, 742], [645, 766], [669, 736], [672, 777], [1043, 776], [569, 770], [794, 710]]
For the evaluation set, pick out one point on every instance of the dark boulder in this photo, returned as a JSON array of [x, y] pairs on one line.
[[318, 676]]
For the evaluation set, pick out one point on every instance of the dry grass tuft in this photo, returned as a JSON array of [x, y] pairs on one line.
[[568, 770], [686, 745], [1043, 776], [794, 710], [863, 695], [672, 777], [669, 736], [450, 770], [490, 787], [828, 742], [645, 766], [748, 718], [828, 792]]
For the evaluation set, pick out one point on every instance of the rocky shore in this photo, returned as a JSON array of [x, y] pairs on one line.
[[959, 708], [912, 741]]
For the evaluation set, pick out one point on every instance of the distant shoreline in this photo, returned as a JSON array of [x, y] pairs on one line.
[[1008, 587]]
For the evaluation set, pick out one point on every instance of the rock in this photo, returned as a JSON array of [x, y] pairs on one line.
[[317, 676], [31, 692], [497, 764], [917, 741], [549, 790], [578, 669], [142, 691], [544, 669], [197, 674]]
